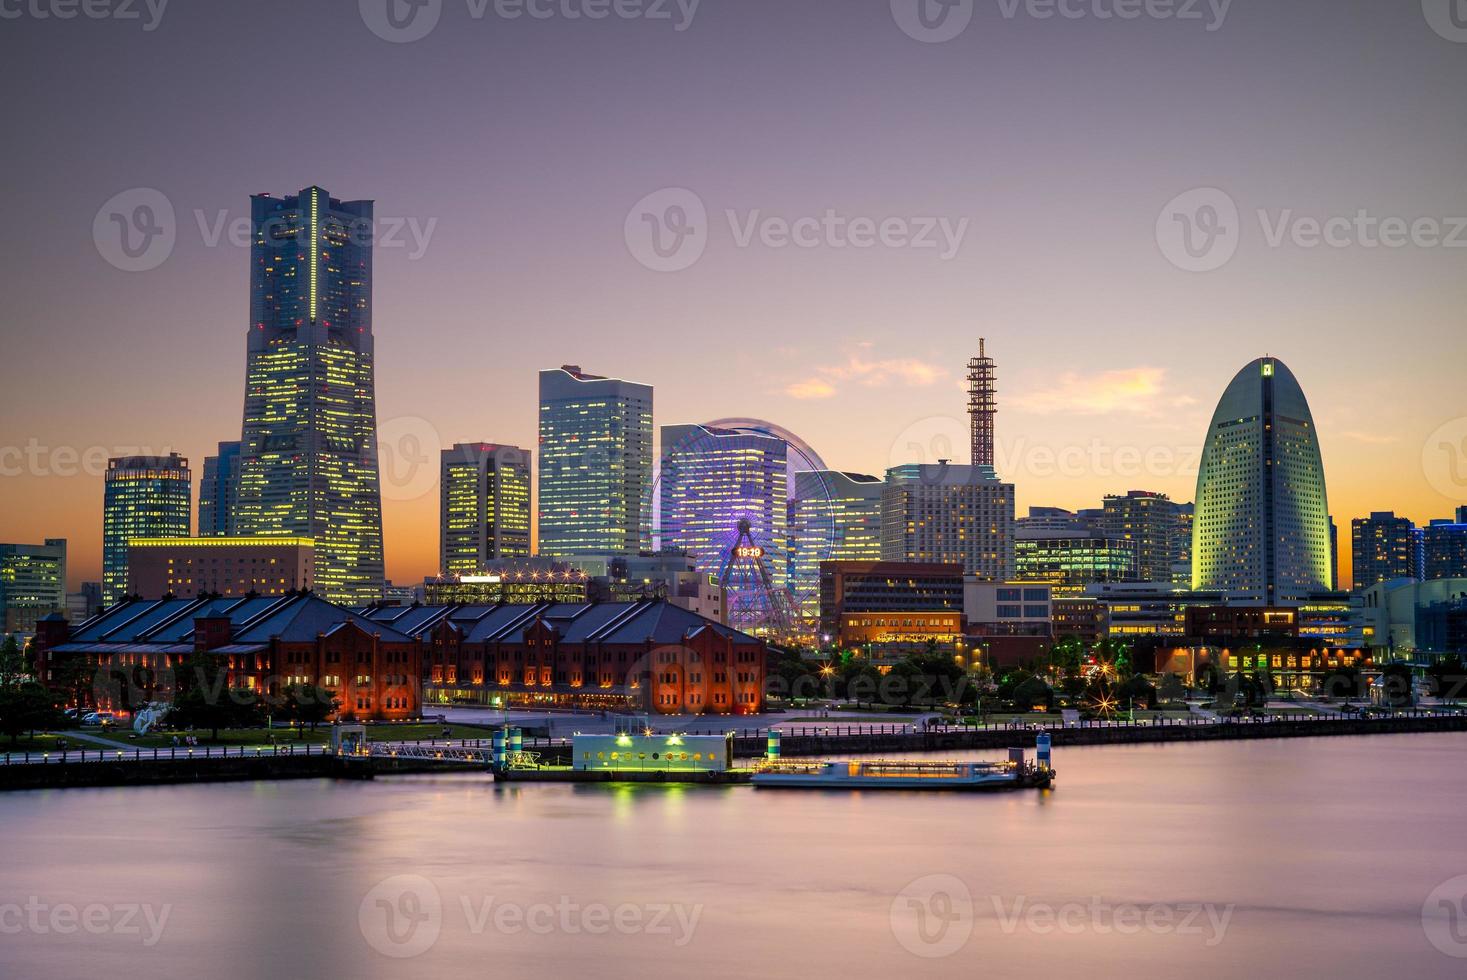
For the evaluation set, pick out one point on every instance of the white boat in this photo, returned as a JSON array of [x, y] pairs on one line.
[[898, 774]]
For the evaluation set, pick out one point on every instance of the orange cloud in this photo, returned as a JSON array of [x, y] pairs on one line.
[[1132, 391]]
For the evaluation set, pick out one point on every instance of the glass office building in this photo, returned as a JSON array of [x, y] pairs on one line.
[[485, 506], [32, 584], [143, 497], [219, 492], [308, 460], [595, 483], [1262, 517], [834, 516]]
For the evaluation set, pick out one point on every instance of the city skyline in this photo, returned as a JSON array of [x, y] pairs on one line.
[[859, 352]]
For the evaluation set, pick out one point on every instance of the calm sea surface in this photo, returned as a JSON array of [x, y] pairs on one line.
[[1243, 859]]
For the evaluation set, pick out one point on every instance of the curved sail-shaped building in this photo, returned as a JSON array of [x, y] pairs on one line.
[[1262, 519]]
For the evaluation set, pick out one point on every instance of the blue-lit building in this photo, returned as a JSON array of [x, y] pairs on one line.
[[143, 497], [710, 480], [1444, 547], [308, 459], [219, 492], [595, 482], [834, 516]]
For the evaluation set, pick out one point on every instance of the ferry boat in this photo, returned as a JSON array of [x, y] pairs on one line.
[[900, 774]]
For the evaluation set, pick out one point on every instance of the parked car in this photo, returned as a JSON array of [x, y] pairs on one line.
[[103, 718]]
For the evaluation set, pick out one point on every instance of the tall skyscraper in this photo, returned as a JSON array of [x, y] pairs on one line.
[[1383, 547], [711, 479], [982, 405], [947, 513], [308, 463], [1152, 523], [595, 484], [219, 492], [1444, 547], [32, 584], [485, 506], [834, 516], [1262, 515], [143, 497]]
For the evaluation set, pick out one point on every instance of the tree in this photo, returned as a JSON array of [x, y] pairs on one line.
[[1396, 685], [1137, 689], [1448, 678], [14, 669], [27, 707], [307, 704], [1032, 692], [206, 701], [1342, 682]]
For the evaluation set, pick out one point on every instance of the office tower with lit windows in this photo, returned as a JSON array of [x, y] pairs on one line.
[[143, 497], [948, 513], [834, 516], [1070, 560], [308, 459], [219, 492], [595, 482], [710, 479], [1384, 547], [32, 584], [1152, 523], [485, 506], [1262, 515], [1444, 547]]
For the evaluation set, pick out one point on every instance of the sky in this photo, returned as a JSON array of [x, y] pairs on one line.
[[804, 211]]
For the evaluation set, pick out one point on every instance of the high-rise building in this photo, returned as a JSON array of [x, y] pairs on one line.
[[1444, 547], [32, 584], [1262, 517], [144, 497], [947, 513], [1071, 560], [834, 516], [485, 506], [1051, 519], [711, 482], [1384, 548], [1151, 522], [595, 483], [1181, 572], [219, 492], [308, 463]]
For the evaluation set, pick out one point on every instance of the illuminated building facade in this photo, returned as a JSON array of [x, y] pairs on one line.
[[595, 483], [1071, 560], [947, 513], [308, 459], [485, 506], [1262, 515], [1444, 547], [143, 497], [711, 479], [872, 604], [1385, 547], [219, 492], [1152, 524], [220, 566], [32, 584], [834, 516]]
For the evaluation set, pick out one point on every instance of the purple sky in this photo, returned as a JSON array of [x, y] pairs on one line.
[[517, 148]]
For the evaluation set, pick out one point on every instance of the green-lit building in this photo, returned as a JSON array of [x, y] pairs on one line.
[[485, 506], [308, 459], [595, 477], [32, 584], [143, 497], [834, 516], [1070, 560]]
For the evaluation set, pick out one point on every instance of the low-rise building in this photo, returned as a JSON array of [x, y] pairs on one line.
[[868, 604], [1410, 619], [223, 566]]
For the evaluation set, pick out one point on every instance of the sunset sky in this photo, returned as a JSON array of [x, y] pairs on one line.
[[517, 150]]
